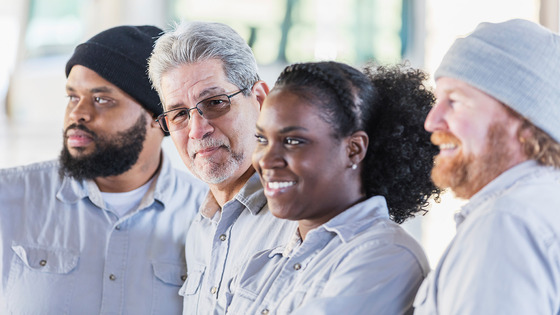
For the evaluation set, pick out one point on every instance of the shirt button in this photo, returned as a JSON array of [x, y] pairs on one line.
[[118, 227], [43, 263], [112, 277], [223, 237], [297, 266], [213, 290], [184, 277], [265, 311]]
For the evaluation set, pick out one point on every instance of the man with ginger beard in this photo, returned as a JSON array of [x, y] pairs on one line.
[[496, 122], [102, 230]]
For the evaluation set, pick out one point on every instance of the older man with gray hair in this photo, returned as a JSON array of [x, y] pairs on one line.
[[206, 76], [497, 124]]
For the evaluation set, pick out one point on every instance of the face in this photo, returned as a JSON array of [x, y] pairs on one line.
[[303, 168], [218, 150], [104, 128], [476, 135]]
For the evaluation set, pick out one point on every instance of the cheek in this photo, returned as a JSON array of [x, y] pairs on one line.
[[256, 158], [180, 140], [241, 135]]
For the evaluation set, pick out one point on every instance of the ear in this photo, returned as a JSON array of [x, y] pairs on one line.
[[357, 146], [154, 123], [260, 90]]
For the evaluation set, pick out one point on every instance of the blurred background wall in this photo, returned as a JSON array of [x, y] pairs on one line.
[[40, 35]]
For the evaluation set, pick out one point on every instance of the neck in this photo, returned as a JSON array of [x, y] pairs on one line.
[[137, 176], [308, 224], [226, 191]]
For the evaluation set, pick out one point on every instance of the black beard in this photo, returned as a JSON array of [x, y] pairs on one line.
[[114, 155]]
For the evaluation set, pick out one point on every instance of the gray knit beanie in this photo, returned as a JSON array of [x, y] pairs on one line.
[[518, 63], [120, 55]]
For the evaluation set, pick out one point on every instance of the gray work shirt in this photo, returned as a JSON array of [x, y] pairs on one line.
[[220, 241], [63, 252], [359, 262], [505, 257]]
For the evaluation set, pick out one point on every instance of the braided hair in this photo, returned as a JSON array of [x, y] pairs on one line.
[[390, 105]]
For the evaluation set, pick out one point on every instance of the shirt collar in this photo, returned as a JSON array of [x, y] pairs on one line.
[[346, 225], [357, 218], [161, 189], [498, 185], [251, 196]]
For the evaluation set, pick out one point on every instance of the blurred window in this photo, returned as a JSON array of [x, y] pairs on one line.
[[288, 31], [54, 27]]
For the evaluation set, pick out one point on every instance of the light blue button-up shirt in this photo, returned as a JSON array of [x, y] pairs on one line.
[[220, 242], [505, 257], [63, 252], [360, 262]]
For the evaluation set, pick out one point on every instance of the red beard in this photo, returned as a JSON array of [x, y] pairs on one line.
[[466, 175]]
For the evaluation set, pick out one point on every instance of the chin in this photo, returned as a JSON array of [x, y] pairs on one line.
[[282, 212]]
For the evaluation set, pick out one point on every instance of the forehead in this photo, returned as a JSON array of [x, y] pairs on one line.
[[283, 108], [84, 80], [81, 76], [194, 81]]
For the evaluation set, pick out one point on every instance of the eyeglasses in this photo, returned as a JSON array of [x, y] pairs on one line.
[[209, 108]]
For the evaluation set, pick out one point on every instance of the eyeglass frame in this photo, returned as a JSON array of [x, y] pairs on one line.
[[162, 116]]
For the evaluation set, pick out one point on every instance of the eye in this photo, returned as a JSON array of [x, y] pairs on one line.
[[101, 100], [178, 115], [261, 139], [214, 102], [293, 141], [73, 99]]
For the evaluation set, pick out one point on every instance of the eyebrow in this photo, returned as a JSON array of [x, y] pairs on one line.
[[210, 92], [286, 129], [100, 89], [201, 96]]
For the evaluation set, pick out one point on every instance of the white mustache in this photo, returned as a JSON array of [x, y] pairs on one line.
[[204, 144]]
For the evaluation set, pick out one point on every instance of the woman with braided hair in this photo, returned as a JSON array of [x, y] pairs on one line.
[[345, 154]]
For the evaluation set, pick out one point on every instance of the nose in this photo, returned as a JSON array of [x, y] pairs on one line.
[[269, 157], [435, 120], [199, 126], [81, 112]]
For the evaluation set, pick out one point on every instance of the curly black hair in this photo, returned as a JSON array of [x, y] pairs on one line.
[[390, 104]]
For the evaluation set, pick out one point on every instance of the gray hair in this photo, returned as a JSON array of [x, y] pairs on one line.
[[194, 42]]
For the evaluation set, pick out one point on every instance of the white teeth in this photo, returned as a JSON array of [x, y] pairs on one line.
[[278, 185], [447, 146]]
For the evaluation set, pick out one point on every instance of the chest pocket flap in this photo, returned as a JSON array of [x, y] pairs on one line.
[[170, 273], [44, 259], [194, 279]]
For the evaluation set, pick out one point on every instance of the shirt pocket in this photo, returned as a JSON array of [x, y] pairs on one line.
[[170, 273], [43, 259], [244, 302], [168, 277], [195, 274], [42, 273]]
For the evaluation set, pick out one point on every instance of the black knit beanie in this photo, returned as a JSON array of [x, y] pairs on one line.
[[120, 55]]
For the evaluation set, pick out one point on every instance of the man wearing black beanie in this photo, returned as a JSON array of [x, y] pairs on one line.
[[102, 230]]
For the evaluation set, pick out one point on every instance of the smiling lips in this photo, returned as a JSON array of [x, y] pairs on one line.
[[205, 152], [274, 188], [279, 185], [447, 146], [445, 141]]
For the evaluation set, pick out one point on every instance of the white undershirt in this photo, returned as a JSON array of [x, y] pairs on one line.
[[125, 202]]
